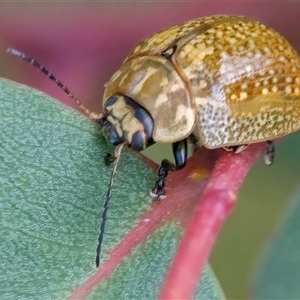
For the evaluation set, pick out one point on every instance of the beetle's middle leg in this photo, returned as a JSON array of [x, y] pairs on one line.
[[236, 149], [268, 157], [180, 155]]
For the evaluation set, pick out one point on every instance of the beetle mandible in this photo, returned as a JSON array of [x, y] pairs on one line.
[[231, 78]]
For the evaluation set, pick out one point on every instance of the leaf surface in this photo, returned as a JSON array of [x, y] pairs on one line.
[[53, 183]]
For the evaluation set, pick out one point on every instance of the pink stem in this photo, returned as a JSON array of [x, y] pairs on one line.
[[216, 203]]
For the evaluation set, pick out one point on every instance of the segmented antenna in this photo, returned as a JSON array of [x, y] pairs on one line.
[[117, 155], [91, 115]]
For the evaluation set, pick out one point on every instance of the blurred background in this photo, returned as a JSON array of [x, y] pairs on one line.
[[84, 43]]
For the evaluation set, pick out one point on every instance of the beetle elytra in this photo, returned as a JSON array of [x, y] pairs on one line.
[[232, 79]]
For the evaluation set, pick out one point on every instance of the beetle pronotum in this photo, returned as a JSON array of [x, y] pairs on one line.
[[234, 79]]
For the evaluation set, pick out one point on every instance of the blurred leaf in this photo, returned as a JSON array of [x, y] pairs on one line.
[[278, 273], [53, 183]]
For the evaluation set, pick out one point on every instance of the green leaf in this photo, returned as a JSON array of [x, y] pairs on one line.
[[278, 274], [148, 264], [53, 185]]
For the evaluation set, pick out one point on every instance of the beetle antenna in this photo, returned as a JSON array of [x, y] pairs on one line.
[[117, 155], [87, 112]]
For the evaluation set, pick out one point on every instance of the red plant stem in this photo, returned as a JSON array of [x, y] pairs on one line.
[[216, 203]]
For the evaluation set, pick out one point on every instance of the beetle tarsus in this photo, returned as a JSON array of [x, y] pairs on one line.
[[236, 149], [158, 192], [269, 156], [180, 155]]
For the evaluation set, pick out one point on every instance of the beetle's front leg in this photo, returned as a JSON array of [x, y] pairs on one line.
[[180, 155]]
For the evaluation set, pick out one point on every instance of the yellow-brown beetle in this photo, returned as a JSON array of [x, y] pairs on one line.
[[234, 79]]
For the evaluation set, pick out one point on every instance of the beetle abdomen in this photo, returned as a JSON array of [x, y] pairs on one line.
[[245, 79], [248, 122]]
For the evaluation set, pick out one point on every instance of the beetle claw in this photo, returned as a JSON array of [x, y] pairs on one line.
[[158, 193]]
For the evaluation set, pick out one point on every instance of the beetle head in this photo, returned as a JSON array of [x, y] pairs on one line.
[[124, 120]]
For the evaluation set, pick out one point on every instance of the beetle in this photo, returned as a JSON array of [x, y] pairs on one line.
[[232, 79]]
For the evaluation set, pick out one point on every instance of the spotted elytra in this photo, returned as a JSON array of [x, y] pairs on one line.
[[232, 79]]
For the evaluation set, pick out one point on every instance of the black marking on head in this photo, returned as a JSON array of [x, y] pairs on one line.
[[112, 125], [143, 116], [110, 101], [138, 141]]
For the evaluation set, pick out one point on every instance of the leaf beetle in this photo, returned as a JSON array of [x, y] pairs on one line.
[[232, 79]]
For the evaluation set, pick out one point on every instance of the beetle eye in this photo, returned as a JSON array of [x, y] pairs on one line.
[[110, 132]]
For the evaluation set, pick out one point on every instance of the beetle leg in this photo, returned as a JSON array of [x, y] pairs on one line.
[[180, 155], [269, 156], [229, 148], [236, 149], [240, 148]]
